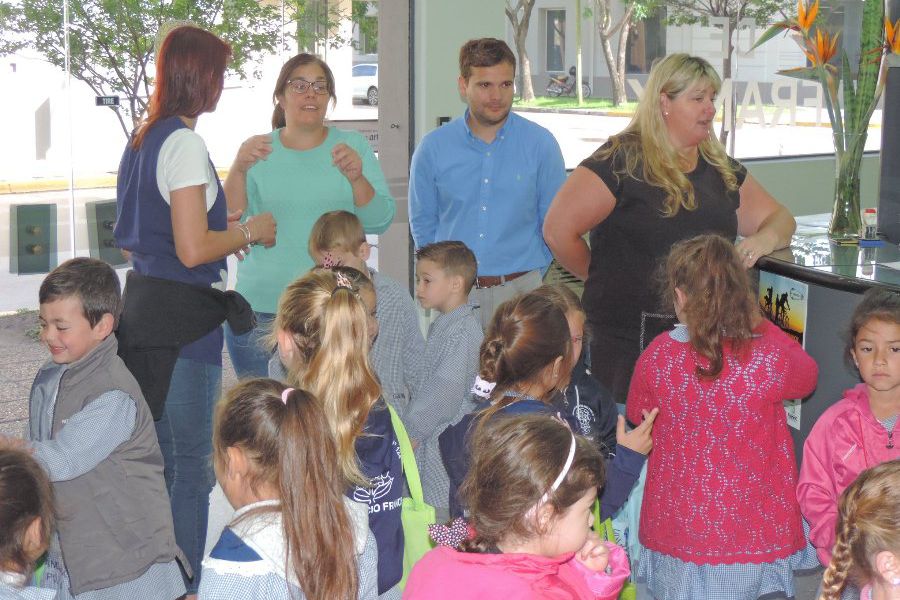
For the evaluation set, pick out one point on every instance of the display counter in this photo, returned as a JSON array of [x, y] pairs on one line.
[[811, 288]]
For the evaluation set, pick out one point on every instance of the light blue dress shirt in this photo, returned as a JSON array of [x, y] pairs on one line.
[[493, 197]]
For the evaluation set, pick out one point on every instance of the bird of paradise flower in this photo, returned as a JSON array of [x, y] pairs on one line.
[[859, 92]]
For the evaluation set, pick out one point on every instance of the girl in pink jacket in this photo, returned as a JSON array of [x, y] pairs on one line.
[[858, 432], [867, 549], [530, 490]]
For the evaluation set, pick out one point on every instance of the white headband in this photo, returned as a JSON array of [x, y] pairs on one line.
[[559, 478]]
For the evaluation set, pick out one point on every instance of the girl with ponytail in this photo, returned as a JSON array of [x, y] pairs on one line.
[[294, 534], [323, 331], [299, 171], [867, 549], [526, 359]]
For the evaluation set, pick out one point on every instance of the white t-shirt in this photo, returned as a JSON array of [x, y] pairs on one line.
[[183, 162]]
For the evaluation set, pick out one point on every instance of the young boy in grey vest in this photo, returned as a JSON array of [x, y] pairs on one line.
[[445, 273], [89, 427]]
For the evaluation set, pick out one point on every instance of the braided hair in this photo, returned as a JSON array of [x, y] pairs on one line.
[[868, 523]]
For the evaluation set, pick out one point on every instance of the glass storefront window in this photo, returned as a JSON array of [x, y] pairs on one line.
[[64, 136]]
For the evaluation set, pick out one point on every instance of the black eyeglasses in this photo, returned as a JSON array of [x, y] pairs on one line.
[[299, 86]]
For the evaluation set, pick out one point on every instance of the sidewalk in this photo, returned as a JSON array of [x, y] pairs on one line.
[[20, 358]]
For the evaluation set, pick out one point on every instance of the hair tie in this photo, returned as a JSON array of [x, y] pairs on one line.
[[330, 262], [285, 394], [452, 535], [343, 283], [483, 388]]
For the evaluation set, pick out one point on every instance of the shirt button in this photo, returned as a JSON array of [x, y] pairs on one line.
[[485, 179], [481, 235], [484, 208]]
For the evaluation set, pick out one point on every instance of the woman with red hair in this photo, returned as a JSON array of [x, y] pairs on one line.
[[173, 221]]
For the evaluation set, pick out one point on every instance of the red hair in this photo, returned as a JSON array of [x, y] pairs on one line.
[[190, 73]]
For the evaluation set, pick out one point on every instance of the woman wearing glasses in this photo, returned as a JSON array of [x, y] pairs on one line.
[[300, 171]]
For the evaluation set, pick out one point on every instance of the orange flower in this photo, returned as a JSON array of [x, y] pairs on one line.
[[823, 50], [892, 36], [805, 19]]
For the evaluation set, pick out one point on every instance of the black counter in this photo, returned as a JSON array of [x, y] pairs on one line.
[[836, 277], [812, 257]]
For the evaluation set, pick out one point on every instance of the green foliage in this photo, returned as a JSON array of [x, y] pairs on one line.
[[112, 41], [691, 12], [318, 21], [368, 26]]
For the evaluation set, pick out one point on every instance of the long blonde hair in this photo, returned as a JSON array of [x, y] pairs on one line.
[[645, 141], [868, 523], [328, 325]]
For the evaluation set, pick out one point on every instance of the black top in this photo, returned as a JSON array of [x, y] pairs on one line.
[[627, 247]]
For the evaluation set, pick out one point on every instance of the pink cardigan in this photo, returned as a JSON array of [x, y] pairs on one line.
[[448, 574], [721, 477], [846, 440]]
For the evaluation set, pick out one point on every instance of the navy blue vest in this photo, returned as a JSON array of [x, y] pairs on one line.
[[144, 226], [144, 219]]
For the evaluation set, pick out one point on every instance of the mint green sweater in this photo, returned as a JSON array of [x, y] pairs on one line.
[[297, 187]]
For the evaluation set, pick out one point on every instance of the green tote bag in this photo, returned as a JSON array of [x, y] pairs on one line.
[[605, 530], [415, 515]]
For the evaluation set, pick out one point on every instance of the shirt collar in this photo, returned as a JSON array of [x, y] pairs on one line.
[[504, 129]]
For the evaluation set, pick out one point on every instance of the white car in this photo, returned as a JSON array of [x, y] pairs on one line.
[[365, 82]]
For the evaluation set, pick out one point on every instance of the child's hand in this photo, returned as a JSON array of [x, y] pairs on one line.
[[638, 439], [594, 554]]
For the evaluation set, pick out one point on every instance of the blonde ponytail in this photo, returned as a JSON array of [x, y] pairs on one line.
[[328, 324]]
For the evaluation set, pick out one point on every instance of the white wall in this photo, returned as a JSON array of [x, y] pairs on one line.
[[441, 28]]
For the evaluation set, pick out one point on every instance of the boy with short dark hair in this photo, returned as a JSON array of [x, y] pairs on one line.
[[445, 273], [90, 428], [337, 238]]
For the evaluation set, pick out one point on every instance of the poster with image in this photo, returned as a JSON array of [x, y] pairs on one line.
[[784, 301]]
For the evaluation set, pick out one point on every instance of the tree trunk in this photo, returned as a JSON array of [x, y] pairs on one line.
[[610, 66], [619, 97], [520, 32], [615, 63], [524, 67]]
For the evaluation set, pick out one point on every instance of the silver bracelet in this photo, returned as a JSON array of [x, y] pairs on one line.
[[246, 231]]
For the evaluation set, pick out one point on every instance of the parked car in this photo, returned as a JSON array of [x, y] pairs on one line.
[[365, 82]]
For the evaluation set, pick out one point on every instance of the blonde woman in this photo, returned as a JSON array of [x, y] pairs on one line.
[[663, 179], [323, 328]]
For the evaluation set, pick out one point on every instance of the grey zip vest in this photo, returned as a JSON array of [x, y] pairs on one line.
[[115, 521]]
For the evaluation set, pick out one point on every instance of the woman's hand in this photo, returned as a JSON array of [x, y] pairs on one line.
[[348, 162], [765, 224], [262, 229], [758, 244], [255, 148], [594, 554], [640, 438]]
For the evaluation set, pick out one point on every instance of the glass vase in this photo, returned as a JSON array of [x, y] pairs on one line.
[[846, 220]]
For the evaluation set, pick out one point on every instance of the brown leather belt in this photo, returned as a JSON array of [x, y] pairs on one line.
[[489, 281]]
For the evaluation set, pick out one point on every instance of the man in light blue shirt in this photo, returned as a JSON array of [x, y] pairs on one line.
[[487, 179]]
